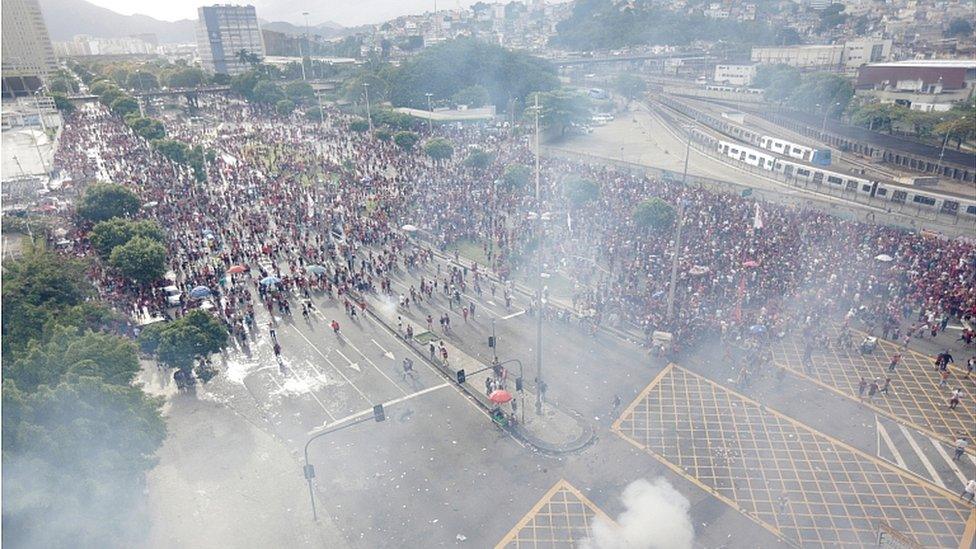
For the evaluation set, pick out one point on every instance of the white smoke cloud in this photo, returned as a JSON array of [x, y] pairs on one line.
[[656, 517]]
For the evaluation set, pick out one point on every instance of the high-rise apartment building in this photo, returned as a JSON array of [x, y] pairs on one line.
[[28, 57], [229, 38]]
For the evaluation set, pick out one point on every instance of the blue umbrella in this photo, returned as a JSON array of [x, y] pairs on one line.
[[757, 329], [270, 281], [316, 269], [200, 292]]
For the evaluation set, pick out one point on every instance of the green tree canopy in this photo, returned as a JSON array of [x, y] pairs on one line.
[[359, 125], [516, 176], [186, 77], [67, 351], [148, 128], [562, 109], [181, 342], [106, 235], [140, 259], [124, 105], [300, 92], [268, 92], [406, 140], [654, 213], [285, 107], [439, 148], [109, 96], [383, 134], [142, 81], [478, 159], [62, 104], [960, 27], [449, 67], [177, 151], [102, 201], [472, 96], [580, 191]]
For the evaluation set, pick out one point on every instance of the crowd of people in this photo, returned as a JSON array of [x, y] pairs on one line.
[[320, 207]]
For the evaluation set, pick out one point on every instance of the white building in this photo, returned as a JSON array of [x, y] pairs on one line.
[[224, 31], [804, 57], [858, 53], [735, 75], [27, 54]]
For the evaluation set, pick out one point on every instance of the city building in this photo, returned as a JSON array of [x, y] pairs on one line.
[[27, 56], [803, 57], [224, 33], [920, 84], [861, 52], [86, 45], [735, 75]]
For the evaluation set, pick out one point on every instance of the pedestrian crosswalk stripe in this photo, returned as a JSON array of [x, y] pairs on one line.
[[952, 465], [883, 435], [921, 456]]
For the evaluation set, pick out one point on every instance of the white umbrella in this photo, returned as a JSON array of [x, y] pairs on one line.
[[410, 228], [884, 258]]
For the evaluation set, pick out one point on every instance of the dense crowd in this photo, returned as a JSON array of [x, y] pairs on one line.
[[285, 197]]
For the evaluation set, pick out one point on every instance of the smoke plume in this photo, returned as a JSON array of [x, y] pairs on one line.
[[656, 517]]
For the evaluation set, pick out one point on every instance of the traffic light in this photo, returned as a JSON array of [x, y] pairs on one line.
[[460, 377], [518, 384], [491, 342], [378, 413]]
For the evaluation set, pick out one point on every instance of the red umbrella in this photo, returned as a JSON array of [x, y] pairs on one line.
[[500, 396], [752, 264], [237, 269]]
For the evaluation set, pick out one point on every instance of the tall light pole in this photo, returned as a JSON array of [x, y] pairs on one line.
[[308, 50], [369, 117], [540, 385], [677, 235], [938, 167], [430, 113]]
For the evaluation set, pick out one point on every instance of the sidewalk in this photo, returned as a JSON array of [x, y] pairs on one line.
[[555, 431]]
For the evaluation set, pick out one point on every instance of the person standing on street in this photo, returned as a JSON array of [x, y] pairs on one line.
[[960, 449], [969, 491], [861, 387]]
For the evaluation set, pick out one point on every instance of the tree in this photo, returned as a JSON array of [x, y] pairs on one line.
[[107, 235], [472, 96], [285, 107], [778, 81], [359, 125], [828, 93], [177, 151], [874, 116], [439, 148], [243, 84], [478, 159], [516, 176], [140, 259], [654, 213], [960, 27], [630, 86], [959, 129], [183, 341], [445, 69], [101, 86], [148, 128], [580, 191], [383, 134], [119, 75], [188, 77], [245, 57], [62, 104], [68, 351], [123, 106], [103, 201], [832, 16], [562, 109], [268, 92], [109, 96], [63, 82], [405, 140], [143, 81], [300, 92]]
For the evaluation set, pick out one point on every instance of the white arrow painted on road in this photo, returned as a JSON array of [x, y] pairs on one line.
[[386, 353], [352, 364]]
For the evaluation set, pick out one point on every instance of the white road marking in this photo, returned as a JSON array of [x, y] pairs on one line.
[[334, 367], [373, 364], [370, 410], [925, 460], [352, 364], [513, 315], [386, 353], [883, 435], [952, 465]]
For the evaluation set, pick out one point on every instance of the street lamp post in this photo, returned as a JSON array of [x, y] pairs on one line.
[[369, 117], [301, 51], [540, 385], [430, 114], [677, 236], [309, 470]]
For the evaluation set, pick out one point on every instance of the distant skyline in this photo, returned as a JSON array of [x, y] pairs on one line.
[[348, 13]]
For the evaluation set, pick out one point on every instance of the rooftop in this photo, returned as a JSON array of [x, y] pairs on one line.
[[930, 63]]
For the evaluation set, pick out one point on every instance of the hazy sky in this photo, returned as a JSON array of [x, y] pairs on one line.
[[345, 12]]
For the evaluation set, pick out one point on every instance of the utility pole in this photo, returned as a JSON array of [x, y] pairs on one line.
[[430, 114], [301, 51], [677, 235], [318, 97], [369, 117], [540, 385]]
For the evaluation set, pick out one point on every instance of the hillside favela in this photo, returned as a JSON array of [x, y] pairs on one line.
[[562, 274]]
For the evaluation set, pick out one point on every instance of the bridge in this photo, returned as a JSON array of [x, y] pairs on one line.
[[604, 59]]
